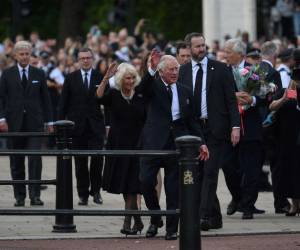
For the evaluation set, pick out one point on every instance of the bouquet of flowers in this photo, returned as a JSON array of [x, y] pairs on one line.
[[252, 79]]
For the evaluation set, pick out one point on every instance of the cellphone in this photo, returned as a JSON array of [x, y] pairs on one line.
[[291, 94]]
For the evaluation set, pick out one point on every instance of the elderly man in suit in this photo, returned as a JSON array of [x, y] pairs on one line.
[[217, 113], [170, 115], [24, 107], [78, 103], [249, 151]]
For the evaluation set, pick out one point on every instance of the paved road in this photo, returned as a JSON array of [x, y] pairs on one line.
[[250, 242], [37, 227]]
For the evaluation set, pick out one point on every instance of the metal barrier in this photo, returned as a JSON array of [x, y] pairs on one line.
[[190, 238]]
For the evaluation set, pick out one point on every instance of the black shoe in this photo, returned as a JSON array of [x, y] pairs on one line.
[[19, 203], [83, 201], [98, 199], [126, 229], [171, 236], [232, 207], [36, 202], [138, 224], [247, 216], [258, 211], [282, 210], [215, 223], [43, 187], [204, 224], [152, 230]]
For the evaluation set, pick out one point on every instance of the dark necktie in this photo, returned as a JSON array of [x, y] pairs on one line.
[[85, 81], [170, 93], [198, 89], [24, 78]]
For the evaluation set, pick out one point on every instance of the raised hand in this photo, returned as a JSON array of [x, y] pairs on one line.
[[112, 69], [154, 58]]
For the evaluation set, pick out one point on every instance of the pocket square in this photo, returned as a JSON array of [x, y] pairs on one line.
[[187, 101], [140, 95], [35, 81]]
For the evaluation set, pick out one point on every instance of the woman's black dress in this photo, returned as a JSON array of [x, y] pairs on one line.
[[121, 174], [288, 127]]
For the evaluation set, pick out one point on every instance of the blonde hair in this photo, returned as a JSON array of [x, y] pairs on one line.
[[22, 45], [126, 68]]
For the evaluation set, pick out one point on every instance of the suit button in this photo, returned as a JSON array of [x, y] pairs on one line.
[[171, 127], [24, 111]]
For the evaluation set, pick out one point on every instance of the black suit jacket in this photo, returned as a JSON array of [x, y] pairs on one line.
[[34, 100], [80, 105], [222, 106], [272, 74], [159, 125]]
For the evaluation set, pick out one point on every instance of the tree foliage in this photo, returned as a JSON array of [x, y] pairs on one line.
[[52, 18]]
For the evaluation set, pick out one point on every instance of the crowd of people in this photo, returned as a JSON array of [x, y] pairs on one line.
[[141, 91]]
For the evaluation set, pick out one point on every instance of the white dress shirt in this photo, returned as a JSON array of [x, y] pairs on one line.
[[285, 75], [175, 103], [195, 69], [20, 68], [88, 75]]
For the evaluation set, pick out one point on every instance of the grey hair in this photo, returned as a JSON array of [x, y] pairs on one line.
[[126, 68], [22, 45], [162, 63], [237, 46], [268, 49]]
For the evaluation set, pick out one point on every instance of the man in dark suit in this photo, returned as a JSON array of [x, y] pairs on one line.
[[249, 151], [213, 88], [24, 107], [269, 55], [78, 103], [170, 115]]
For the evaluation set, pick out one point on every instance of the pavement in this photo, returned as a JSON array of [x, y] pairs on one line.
[[96, 227]]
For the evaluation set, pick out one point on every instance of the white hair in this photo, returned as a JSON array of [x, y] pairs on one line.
[[268, 49], [236, 45], [126, 68], [162, 63], [22, 45]]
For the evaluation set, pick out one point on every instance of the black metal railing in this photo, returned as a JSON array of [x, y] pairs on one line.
[[190, 238]]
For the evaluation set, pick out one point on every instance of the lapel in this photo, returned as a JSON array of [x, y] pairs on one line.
[[181, 99], [16, 76], [163, 94], [209, 74], [189, 75], [80, 81], [93, 82], [30, 77]]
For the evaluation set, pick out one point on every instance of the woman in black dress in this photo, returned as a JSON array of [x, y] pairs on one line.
[[127, 116], [288, 128]]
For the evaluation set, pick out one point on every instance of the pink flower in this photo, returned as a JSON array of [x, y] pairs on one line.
[[244, 71], [254, 77]]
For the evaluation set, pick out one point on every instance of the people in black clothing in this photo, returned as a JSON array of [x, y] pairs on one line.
[[127, 116], [170, 114], [79, 103], [24, 107], [288, 132], [216, 109]]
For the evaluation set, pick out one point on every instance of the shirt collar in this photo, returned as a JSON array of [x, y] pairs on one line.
[[83, 72], [283, 66], [268, 62], [171, 85], [20, 68], [203, 62]]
